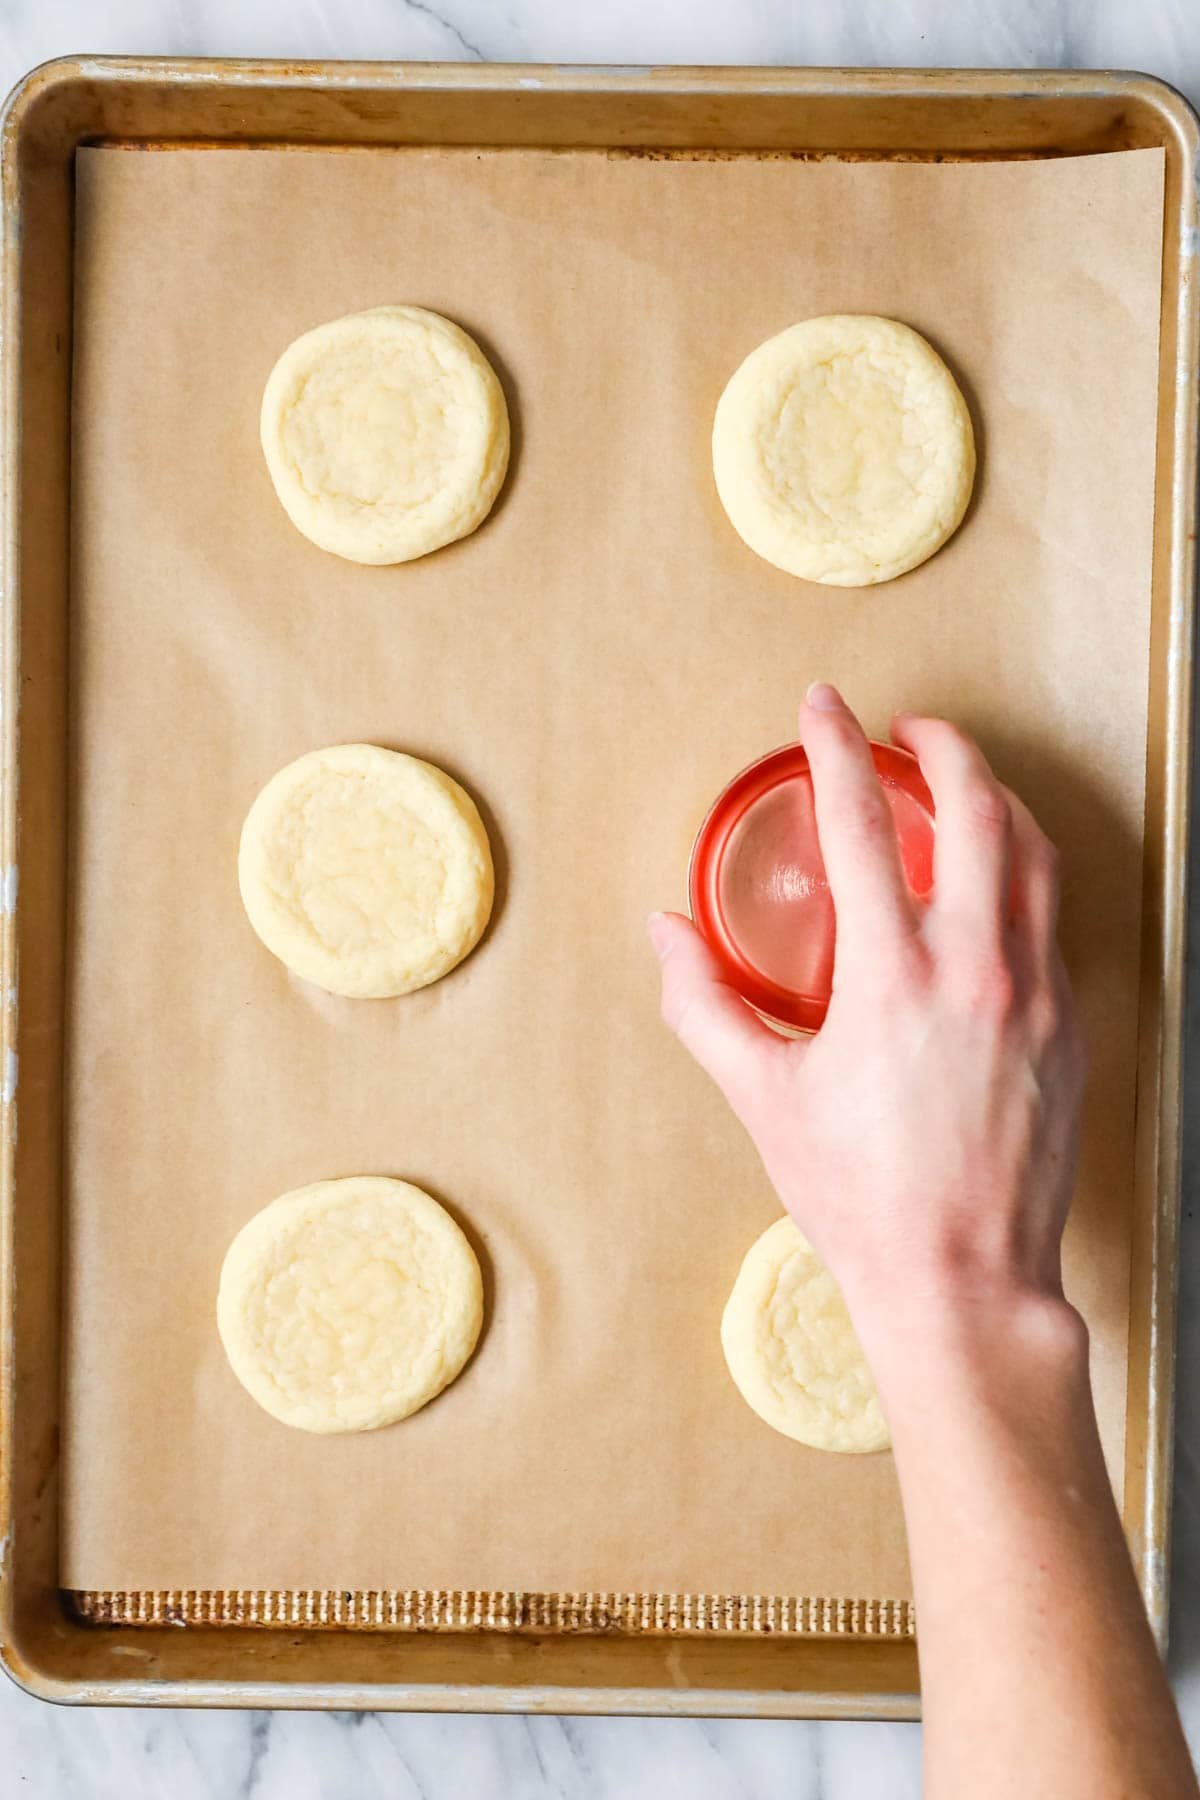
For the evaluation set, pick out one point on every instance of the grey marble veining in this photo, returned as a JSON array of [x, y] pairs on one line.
[[49, 1752]]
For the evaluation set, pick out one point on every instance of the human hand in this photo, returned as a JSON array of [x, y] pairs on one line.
[[925, 1139]]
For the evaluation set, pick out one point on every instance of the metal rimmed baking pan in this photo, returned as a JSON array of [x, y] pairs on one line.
[[576, 1661]]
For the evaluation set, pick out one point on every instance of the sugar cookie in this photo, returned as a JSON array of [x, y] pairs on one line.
[[367, 872], [349, 1304], [792, 1351], [385, 433], [843, 450]]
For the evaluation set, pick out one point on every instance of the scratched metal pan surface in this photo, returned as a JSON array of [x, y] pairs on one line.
[[555, 1661]]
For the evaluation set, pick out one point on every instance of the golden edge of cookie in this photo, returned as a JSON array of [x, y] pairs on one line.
[[742, 506], [308, 517], [758, 1272], [312, 967], [262, 1229]]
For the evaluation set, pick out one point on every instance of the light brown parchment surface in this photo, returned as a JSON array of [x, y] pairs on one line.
[[593, 664]]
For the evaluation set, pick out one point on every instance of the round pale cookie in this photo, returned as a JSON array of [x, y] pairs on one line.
[[843, 450], [386, 434], [349, 1304], [367, 872], [792, 1351]]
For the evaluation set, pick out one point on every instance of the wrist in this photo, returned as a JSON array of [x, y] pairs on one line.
[[967, 1342]]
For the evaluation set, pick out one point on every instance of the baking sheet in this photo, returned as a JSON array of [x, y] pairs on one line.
[[594, 663]]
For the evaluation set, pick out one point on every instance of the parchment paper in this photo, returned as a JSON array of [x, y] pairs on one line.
[[593, 664]]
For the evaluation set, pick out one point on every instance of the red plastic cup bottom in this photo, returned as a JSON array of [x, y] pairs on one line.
[[758, 887]]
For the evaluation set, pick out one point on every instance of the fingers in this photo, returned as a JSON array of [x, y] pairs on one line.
[[993, 864], [1035, 884], [710, 1020], [973, 845], [857, 833]]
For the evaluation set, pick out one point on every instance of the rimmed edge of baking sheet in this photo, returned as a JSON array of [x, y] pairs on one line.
[[474, 1609]]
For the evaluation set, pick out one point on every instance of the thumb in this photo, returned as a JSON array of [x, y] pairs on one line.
[[710, 1020]]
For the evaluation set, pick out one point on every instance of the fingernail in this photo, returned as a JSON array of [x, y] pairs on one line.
[[823, 698], [659, 931]]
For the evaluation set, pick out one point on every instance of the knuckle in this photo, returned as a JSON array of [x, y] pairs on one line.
[[863, 818], [988, 987], [1045, 1018], [987, 809]]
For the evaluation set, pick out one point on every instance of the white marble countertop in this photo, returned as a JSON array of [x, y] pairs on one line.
[[90, 1755]]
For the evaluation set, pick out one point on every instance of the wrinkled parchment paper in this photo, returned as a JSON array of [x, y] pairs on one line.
[[593, 664]]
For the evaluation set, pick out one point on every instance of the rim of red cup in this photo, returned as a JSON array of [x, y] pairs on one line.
[[780, 1005]]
